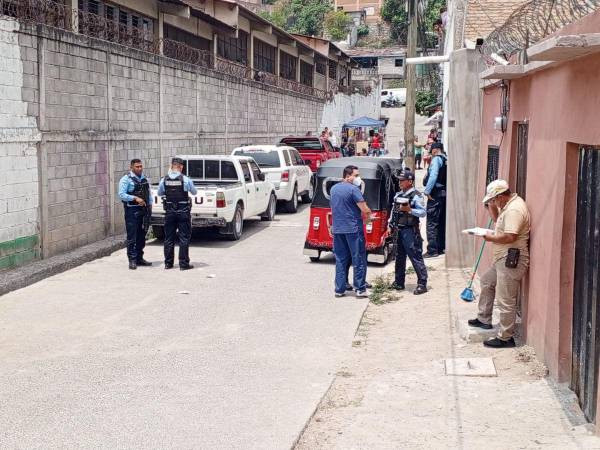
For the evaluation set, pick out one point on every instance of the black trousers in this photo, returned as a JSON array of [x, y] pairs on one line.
[[178, 220], [410, 244], [436, 222], [136, 232]]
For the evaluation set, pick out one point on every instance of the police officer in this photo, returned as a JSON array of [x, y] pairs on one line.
[[134, 192], [435, 191], [407, 209], [174, 190]]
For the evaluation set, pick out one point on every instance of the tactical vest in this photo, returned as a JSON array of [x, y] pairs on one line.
[[441, 178], [141, 189], [174, 191], [402, 219]]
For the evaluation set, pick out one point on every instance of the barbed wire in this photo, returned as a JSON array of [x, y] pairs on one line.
[[54, 14], [534, 21]]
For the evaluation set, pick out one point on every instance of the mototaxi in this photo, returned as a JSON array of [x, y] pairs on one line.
[[379, 185]]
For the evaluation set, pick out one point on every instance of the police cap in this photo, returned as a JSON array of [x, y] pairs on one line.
[[177, 161], [406, 175]]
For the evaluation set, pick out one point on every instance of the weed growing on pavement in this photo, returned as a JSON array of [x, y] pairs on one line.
[[382, 286], [411, 269]]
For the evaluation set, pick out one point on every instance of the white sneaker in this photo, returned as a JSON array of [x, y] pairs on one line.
[[362, 293]]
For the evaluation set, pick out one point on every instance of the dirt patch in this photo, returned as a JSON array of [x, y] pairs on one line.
[[526, 354]]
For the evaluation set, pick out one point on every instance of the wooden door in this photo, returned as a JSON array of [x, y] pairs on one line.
[[586, 290]]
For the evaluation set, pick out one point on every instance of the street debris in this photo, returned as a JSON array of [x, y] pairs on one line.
[[470, 367], [212, 275], [183, 292]]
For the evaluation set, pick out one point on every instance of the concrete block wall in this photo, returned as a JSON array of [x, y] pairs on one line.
[[19, 138], [345, 108], [75, 110]]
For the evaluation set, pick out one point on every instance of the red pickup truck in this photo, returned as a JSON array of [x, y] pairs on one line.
[[313, 149]]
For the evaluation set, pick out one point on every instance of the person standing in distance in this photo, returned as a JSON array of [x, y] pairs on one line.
[[347, 208], [435, 191], [175, 189], [407, 209], [134, 192]]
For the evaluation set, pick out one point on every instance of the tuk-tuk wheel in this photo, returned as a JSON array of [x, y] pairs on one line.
[[386, 254], [315, 258]]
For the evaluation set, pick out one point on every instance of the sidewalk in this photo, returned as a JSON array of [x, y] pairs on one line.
[[393, 393]]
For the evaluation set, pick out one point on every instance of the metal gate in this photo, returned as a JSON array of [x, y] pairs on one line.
[[522, 134], [521, 185], [586, 290]]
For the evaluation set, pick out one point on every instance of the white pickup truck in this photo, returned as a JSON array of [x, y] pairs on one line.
[[230, 189]]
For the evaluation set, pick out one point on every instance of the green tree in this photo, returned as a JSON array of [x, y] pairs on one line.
[[300, 16], [394, 13], [337, 24]]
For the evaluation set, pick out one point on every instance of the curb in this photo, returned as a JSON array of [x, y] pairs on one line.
[[29, 274]]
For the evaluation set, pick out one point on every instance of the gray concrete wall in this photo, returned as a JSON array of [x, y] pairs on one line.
[[344, 108], [463, 112], [19, 186], [75, 111]]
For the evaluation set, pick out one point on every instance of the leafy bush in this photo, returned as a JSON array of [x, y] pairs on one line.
[[299, 16], [424, 99], [362, 30], [337, 24]]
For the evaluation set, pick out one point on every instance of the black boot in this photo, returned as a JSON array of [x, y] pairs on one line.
[[132, 265], [186, 267], [143, 262], [421, 289], [479, 324], [499, 343]]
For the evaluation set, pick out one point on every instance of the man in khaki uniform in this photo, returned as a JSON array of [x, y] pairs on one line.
[[510, 245]]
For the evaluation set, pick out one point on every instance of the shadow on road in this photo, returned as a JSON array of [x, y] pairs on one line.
[[210, 238]]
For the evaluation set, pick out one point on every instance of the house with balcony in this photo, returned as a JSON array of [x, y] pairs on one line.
[[386, 64]]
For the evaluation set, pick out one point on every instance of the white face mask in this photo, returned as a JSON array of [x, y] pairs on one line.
[[357, 181]]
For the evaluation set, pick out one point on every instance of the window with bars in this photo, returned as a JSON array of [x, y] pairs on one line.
[[234, 49], [264, 56], [190, 39], [287, 66], [332, 70], [306, 73], [492, 164], [321, 66]]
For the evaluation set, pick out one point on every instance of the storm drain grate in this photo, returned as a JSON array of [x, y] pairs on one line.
[[470, 367]]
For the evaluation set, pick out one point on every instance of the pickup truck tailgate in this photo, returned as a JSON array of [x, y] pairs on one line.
[[204, 202]]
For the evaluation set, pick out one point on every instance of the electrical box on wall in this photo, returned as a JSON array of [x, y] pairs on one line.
[[500, 123]]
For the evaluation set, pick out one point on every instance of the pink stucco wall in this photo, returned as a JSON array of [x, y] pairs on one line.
[[562, 107]]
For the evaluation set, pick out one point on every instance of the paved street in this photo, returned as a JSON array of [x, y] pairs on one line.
[[100, 357]]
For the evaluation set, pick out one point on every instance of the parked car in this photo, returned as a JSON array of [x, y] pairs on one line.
[[230, 189], [397, 97], [285, 168], [312, 148]]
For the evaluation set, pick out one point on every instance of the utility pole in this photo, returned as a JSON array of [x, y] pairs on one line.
[[411, 85]]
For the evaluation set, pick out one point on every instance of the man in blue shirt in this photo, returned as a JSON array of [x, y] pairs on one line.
[[134, 192], [435, 191], [347, 208], [407, 209], [175, 189]]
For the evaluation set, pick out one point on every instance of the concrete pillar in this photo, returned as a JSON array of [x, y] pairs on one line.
[[73, 5], [251, 51], [215, 48], [159, 31], [463, 146]]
